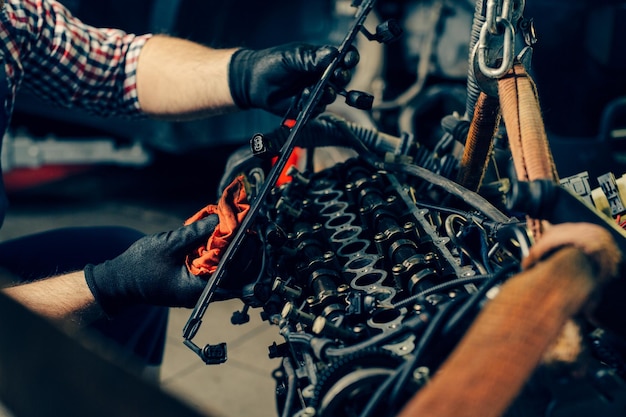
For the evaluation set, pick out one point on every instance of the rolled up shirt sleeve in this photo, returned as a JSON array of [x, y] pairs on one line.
[[67, 62]]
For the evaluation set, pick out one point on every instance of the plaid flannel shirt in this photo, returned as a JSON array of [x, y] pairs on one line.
[[62, 60]]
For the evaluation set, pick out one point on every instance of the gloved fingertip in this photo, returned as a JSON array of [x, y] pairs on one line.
[[207, 225], [351, 58], [193, 234], [341, 77], [330, 94], [325, 54]]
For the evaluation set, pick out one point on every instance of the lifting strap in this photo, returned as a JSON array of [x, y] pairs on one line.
[[518, 105], [524, 126], [479, 143]]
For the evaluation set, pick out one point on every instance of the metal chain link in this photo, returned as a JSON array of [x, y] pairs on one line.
[[496, 44]]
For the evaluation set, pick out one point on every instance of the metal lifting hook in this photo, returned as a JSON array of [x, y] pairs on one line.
[[216, 354], [485, 44], [496, 44]]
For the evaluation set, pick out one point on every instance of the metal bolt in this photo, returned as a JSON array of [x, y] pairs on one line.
[[343, 288], [430, 256], [321, 326], [281, 288], [291, 312], [421, 375]]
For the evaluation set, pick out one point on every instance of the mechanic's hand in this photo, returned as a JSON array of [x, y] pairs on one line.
[[152, 270], [273, 78]]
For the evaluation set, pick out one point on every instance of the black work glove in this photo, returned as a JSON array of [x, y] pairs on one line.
[[272, 79], [152, 270]]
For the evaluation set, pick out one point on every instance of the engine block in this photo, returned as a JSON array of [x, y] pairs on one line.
[[355, 272]]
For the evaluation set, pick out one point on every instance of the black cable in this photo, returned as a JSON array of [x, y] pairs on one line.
[[402, 372], [441, 287], [476, 297], [470, 197], [429, 334], [443, 209], [484, 252], [382, 390], [410, 324], [291, 386], [399, 378]]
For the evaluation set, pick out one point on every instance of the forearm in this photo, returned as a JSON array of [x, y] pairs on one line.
[[58, 298], [180, 79]]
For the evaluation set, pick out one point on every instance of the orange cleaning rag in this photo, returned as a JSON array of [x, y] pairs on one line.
[[231, 210]]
